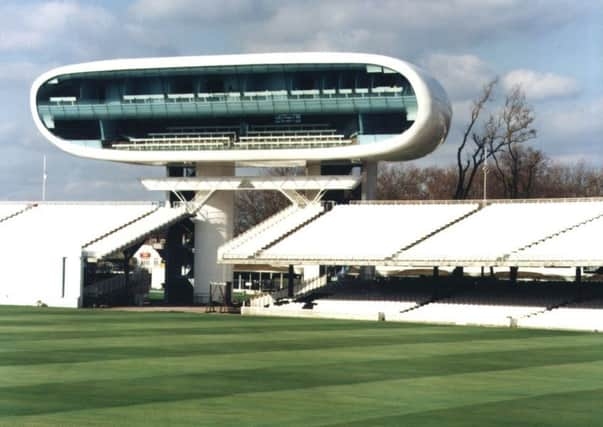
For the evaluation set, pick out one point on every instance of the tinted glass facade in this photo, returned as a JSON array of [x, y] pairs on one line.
[[243, 107]]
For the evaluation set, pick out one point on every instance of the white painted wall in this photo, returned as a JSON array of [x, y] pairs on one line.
[[33, 275], [213, 227]]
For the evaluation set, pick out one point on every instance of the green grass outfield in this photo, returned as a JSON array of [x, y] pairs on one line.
[[67, 367]]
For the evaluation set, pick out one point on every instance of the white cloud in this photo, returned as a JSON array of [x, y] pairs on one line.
[[69, 178], [7, 129], [407, 29], [538, 86], [571, 130], [63, 29], [461, 75], [567, 132], [39, 34], [34, 26], [575, 119], [193, 11], [20, 71]]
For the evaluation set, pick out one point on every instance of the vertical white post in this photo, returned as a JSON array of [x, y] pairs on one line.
[[213, 227], [485, 171], [44, 178], [312, 169]]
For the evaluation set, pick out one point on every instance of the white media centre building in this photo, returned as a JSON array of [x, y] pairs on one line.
[[204, 118]]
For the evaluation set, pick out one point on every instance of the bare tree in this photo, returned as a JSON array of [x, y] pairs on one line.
[[515, 127], [499, 138], [520, 171], [533, 166], [469, 157], [570, 180], [409, 182], [253, 207], [538, 177]]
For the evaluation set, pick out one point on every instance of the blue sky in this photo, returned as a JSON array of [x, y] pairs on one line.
[[553, 48]]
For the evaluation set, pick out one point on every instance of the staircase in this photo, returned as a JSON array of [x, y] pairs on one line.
[[258, 228], [299, 291], [120, 227], [427, 236], [553, 307], [269, 232], [550, 236], [288, 233], [134, 231], [19, 212]]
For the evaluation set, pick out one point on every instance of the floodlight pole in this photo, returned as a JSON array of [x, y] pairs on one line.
[[485, 171], [44, 178]]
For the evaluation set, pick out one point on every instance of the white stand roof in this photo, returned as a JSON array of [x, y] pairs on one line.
[[505, 233]]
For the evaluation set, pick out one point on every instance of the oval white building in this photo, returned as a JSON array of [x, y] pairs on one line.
[[234, 108], [209, 114]]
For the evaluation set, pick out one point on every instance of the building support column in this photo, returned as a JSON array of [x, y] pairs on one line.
[[458, 272], [128, 254], [369, 180], [513, 274], [178, 261], [312, 169], [290, 283], [213, 227], [369, 192], [312, 271]]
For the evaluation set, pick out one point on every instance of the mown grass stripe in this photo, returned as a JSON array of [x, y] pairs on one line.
[[112, 392], [16, 333], [81, 350], [566, 408], [118, 368], [176, 365]]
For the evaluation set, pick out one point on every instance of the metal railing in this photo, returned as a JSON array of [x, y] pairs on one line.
[[244, 96]]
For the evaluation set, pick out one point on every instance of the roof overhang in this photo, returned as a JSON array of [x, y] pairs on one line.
[[387, 262]]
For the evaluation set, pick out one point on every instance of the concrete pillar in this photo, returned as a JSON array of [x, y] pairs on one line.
[[290, 283], [369, 192], [369, 180], [312, 169], [513, 274], [178, 289], [360, 124], [213, 227], [126, 271], [341, 196]]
